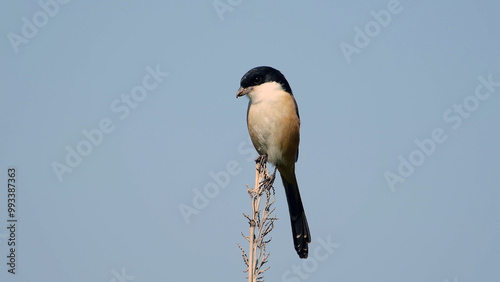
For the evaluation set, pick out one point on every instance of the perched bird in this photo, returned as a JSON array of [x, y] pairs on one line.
[[273, 123]]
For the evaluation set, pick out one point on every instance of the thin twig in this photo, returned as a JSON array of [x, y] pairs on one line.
[[260, 220]]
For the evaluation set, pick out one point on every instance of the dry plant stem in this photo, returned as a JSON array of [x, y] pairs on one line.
[[255, 209], [261, 222]]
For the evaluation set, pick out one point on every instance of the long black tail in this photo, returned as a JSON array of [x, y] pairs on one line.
[[300, 228]]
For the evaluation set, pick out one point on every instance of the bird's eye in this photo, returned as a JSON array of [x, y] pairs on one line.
[[257, 80]]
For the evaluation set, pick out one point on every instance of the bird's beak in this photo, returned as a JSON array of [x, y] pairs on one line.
[[243, 91]]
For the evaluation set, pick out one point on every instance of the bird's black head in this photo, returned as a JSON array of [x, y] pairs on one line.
[[260, 75]]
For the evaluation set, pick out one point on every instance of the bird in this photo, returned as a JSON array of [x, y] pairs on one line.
[[273, 123]]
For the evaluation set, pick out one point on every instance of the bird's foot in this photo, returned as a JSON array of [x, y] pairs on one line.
[[272, 176], [261, 160]]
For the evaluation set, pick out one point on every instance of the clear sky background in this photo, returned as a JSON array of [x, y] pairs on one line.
[[413, 88]]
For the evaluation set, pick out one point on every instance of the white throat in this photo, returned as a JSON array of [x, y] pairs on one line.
[[268, 91]]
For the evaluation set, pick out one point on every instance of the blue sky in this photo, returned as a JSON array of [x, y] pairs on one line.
[[116, 116]]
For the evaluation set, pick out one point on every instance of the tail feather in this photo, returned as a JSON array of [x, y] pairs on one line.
[[300, 228]]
